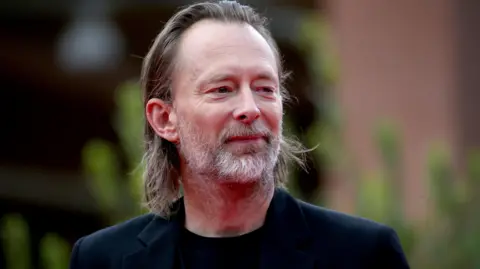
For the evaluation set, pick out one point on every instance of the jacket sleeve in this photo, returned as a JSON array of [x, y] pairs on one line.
[[74, 257], [389, 252]]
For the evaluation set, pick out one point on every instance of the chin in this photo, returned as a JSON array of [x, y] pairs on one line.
[[239, 179], [247, 178]]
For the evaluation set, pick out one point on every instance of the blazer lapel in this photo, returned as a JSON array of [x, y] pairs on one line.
[[159, 242], [285, 245], [287, 237]]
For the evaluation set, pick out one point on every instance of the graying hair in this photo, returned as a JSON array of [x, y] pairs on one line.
[[161, 159]]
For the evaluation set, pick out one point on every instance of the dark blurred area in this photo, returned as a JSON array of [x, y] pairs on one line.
[[415, 63]]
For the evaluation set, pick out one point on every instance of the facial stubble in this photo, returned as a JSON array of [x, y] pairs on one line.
[[215, 161]]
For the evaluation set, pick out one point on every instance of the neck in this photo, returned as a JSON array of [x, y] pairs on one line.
[[225, 209]]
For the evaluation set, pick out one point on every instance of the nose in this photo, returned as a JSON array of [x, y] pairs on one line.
[[247, 111]]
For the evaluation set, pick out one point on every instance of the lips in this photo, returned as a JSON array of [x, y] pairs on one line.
[[245, 138]]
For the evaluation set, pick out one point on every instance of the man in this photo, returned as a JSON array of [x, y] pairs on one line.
[[213, 94]]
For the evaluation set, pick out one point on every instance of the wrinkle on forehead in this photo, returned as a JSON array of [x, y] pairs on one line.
[[210, 40]]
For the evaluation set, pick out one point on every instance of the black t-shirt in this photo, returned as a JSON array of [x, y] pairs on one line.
[[197, 252]]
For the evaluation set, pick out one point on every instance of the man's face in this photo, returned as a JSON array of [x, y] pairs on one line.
[[227, 102]]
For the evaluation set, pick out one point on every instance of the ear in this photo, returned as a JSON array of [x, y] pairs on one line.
[[162, 119]]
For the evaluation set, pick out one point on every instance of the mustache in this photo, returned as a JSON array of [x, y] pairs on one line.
[[256, 128]]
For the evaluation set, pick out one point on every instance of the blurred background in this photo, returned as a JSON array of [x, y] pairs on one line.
[[387, 90]]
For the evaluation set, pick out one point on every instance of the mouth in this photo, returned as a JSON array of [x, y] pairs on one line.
[[246, 138]]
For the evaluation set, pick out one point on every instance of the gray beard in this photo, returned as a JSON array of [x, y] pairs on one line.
[[215, 161]]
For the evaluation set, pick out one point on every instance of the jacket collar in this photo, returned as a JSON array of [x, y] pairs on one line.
[[159, 241], [285, 243], [287, 235]]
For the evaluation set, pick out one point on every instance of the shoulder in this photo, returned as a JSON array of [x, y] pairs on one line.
[[338, 222], [119, 234], [364, 240], [109, 243]]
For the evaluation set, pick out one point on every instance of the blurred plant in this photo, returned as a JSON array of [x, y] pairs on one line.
[[324, 134], [314, 41], [380, 195], [16, 242], [451, 238], [116, 188], [54, 250], [106, 178]]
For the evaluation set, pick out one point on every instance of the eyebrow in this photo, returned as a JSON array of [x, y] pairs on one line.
[[264, 75], [218, 78]]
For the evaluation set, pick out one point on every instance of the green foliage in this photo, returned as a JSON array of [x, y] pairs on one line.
[[372, 194], [441, 180], [116, 189], [129, 124], [315, 41], [380, 196], [105, 175], [474, 170], [450, 237], [128, 121], [16, 242], [102, 169], [389, 144], [54, 252]]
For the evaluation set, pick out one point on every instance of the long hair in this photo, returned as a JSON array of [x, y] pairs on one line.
[[161, 157]]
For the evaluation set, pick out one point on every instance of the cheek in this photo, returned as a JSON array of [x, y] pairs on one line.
[[210, 124], [202, 116], [273, 116]]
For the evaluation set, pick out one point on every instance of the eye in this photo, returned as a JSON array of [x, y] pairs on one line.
[[220, 92], [223, 89], [268, 90]]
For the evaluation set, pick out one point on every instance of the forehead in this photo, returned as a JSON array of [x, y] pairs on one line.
[[210, 46]]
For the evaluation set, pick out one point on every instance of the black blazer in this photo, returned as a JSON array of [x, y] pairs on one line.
[[297, 236]]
